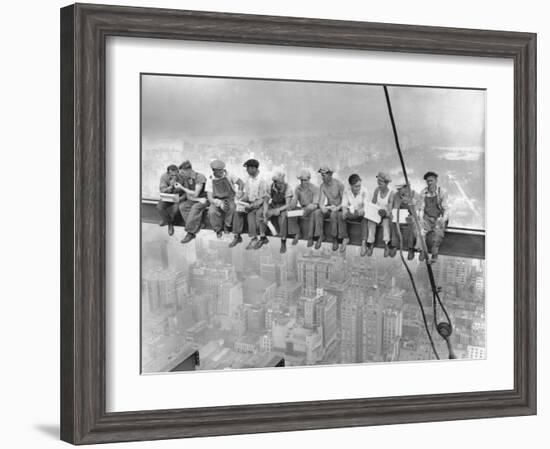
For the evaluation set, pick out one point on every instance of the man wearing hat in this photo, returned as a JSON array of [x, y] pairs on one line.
[[330, 203], [406, 199], [306, 197], [281, 195], [383, 199], [168, 210], [221, 192], [195, 203], [353, 209], [434, 212], [256, 195]]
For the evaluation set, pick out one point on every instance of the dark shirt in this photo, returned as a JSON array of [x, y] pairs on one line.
[[278, 197], [190, 181]]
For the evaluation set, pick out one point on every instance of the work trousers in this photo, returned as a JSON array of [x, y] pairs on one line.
[[338, 227], [409, 239], [304, 226], [220, 219], [254, 219], [192, 212], [281, 223], [355, 218], [385, 230], [167, 211], [435, 225]]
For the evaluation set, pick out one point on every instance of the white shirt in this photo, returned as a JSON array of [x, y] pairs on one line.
[[255, 188], [354, 202]]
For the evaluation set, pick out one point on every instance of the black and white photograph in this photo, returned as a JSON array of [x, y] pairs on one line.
[[292, 223]]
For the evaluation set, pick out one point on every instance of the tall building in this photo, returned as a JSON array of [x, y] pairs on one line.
[[392, 324], [372, 329], [230, 297], [162, 286], [351, 326], [315, 271]]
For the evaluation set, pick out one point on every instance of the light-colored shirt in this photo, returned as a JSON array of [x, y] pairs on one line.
[[304, 196], [331, 194], [385, 202], [255, 189], [355, 202], [233, 179]]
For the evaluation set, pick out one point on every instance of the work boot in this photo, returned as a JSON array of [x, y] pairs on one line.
[[261, 242], [422, 256], [318, 243], [434, 258], [370, 248], [309, 243], [283, 247], [410, 254], [393, 251], [334, 244], [190, 236], [386, 250], [363, 248], [170, 229], [296, 239], [219, 234], [252, 243], [343, 245], [236, 240]]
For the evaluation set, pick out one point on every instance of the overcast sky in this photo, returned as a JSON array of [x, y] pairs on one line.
[[179, 107]]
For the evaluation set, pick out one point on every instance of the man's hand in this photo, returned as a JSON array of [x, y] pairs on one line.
[[360, 212], [275, 212], [310, 207], [324, 209], [177, 185], [382, 213]]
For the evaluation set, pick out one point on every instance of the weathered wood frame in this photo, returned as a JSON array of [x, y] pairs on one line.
[[84, 29]]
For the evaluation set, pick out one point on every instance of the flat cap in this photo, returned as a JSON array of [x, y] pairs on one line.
[[251, 163], [216, 164], [304, 174], [383, 176], [186, 165], [430, 173], [325, 169]]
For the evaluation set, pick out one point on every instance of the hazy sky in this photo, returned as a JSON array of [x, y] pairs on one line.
[[197, 108]]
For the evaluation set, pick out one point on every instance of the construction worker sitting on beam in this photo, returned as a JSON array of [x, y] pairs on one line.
[[221, 191], [434, 213], [169, 209], [353, 210], [330, 203], [306, 198], [383, 199], [276, 210], [195, 203], [405, 200], [256, 194]]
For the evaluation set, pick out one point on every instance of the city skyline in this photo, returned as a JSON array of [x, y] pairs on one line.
[[252, 308]]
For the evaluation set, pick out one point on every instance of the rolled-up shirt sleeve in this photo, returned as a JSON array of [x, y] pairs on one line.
[[164, 185]]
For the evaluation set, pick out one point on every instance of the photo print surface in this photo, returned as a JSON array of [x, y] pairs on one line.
[[291, 223]]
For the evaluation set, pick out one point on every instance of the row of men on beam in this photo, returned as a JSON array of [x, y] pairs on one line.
[[230, 201]]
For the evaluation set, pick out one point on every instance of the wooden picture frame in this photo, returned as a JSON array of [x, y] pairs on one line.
[[84, 29]]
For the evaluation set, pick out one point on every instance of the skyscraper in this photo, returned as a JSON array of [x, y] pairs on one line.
[[351, 325]]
